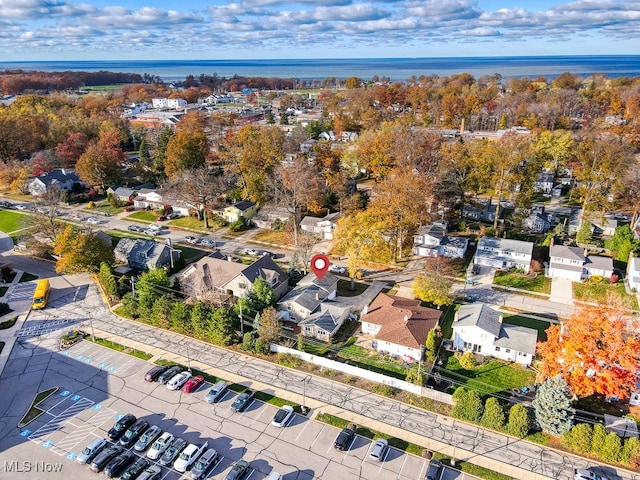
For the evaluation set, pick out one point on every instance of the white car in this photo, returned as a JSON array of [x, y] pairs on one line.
[[251, 251], [189, 455], [586, 474], [282, 416], [160, 445], [93, 220], [178, 380], [337, 269]]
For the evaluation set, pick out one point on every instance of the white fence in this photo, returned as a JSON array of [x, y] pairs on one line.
[[362, 373]]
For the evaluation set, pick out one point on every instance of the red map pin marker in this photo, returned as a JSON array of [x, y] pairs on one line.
[[319, 265]]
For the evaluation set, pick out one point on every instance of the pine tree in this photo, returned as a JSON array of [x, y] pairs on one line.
[[611, 448], [597, 441], [552, 406], [579, 438], [433, 343], [518, 424], [493, 416], [467, 405], [630, 451], [107, 280]]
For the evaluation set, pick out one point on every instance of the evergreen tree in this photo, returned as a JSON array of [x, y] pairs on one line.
[[584, 234], [200, 320], [579, 438], [611, 448], [630, 451], [552, 406], [107, 280], [598, 438], [248, 340], [493, 416], [180, 318], [433, 343], [518, 424], [415, 374], [467, 405], [220, 329], [259, 297], [161, 314]]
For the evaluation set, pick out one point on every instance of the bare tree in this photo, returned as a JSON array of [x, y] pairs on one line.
[[45, 220]]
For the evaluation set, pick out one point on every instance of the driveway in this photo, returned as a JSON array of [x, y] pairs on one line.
[[561, 291]]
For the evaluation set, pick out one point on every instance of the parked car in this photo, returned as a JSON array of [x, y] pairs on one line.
[[207, 242], [151, 473], [434, 470], [242, 401], [134, 228], [345, 437], [475, 269], [217, 392], [282, 416], [105, 456], [133, 470], [193, 384], [121, 426], [191, 239], [161, 218], [238, 470], [159, 446], [586, 474], [189, 455], [153, 374], [251, 251], [173, 215], [93, 220], [151, 231], [379, 449], [202, 467], [117, 465], [91, 450], [172, 451], [337, 269], [169, 374], [147, 438], [131, 435], [178, 380]]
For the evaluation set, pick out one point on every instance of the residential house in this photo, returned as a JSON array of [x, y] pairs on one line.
[[504, 253], [307, 145], [169, 103], [313, 307], [479, 328], [574, 264], [244, 208], [399, 326], [217, 279], [544, 182], [537, 223], [432, 240], [61, 178], [148, 198], [328, 135], [481, 211], [140, 254], [322, 227], [633, 273], [268, 214], [604, 227]]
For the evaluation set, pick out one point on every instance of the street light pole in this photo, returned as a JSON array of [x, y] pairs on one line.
[[188, 356]]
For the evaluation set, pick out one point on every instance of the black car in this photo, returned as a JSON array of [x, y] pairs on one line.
[[345, 437], [172, 452], [242, 401], [118, 464], [135, 469], [153, 374], [105, 456], [121, 426], [434, 471], [169, 374], [131, 435]]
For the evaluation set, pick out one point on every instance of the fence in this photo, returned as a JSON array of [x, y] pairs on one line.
[[367, 374]]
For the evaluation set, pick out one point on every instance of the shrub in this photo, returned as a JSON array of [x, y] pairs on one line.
[[467, 405], [288, 360], [611, 448], [631, 452], [519, 422], [383, 389], [262, 347], [239, 225], [579, 438], [493, 416], [597, 441], [248, 341], [467, 360]]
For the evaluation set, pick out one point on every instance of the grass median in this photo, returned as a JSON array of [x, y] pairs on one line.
[[121, 348]]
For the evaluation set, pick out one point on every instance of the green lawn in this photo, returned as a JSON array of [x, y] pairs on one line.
[[446, 321], [143, 215], [539, 284], [106, 207], [538, 325], [269, 236], [604, 293], [490, 377], [189, 222], [11, 221], [371, 360]]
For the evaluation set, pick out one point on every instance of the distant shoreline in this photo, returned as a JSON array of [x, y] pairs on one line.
[[395, 69]]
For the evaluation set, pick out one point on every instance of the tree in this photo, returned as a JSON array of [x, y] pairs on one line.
[[416, 374], [598, 439], [80, 251], [46, 219], [259, 297], [554, 148], [187, 149], [584, 235], [100, 165], [622, 243], [552, 406], [594, 351], [433, 289], [161, 312], [630, 451], [467, 405], [71, 148], [432, 344], [493, 416], [221, 329], [200, 320], [107, 280], [579, 438], [518, 424], [270, 328], [611, 448], [151, 285], [467, 360], [180, 318]]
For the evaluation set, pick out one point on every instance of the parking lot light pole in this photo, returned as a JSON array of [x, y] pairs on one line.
[[303, 407], [188, 356]]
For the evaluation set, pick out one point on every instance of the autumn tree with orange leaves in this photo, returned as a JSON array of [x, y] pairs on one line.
[[594, 351]]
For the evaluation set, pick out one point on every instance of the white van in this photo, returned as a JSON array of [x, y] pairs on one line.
[[274, 476]]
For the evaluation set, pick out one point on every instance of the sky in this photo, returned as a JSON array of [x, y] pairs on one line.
[[277, 29]]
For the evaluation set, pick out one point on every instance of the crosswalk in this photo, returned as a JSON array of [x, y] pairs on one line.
[[43, 327], [21, 292]]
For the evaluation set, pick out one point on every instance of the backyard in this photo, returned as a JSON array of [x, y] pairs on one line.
[[537, 284]]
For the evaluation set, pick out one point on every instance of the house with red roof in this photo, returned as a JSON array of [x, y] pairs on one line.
[[398, 325]]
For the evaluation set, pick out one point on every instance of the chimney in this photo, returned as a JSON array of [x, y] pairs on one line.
[[317, 295], [229, 258], [406, 318], [500, 319], [365, 310]]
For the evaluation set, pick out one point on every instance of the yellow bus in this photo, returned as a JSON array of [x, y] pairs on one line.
[[41, 295]]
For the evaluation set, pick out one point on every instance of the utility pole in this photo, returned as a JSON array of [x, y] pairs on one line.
[[241, 320]]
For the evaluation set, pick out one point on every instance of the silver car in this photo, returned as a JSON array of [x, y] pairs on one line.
[[91, 450], [147, 438]]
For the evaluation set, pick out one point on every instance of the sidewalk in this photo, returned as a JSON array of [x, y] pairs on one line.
[[7, 335]]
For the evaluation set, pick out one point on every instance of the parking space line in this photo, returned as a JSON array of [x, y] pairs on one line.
[[58, 421], [303, 429], [259, 415], [402, 467], [424, 464]]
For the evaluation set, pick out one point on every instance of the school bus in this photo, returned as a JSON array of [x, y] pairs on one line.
[[41, 295]]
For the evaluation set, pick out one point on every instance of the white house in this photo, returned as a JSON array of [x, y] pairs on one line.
[[504, 253], [544, 182], [399, 326], [633, 273], [63, 179], [148, 197], [432, 241], [170, 103], [479, 328], [322, 227], [574, 264]]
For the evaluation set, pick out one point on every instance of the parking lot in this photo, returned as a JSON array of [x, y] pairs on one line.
[[98, 385]]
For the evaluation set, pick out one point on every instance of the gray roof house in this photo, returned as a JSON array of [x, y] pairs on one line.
[[504, 253], [432, 241], [481, 210], [64, 179], [633, 273], [574, 264], [311, 307], [216, 279], [479, 328], [142, 254], [322, 227]]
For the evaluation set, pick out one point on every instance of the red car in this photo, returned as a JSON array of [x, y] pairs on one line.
[[193, 384]]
